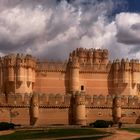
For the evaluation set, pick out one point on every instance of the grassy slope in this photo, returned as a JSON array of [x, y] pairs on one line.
[[31, 134], [136, 130]]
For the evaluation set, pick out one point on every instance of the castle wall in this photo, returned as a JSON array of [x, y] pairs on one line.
[[4, 115], [21, 116], [86, 70], [45, 82], [130, 115], [15, 115], [47, 116], [94, 114], [94, 83], [55, 108], [50, 116]]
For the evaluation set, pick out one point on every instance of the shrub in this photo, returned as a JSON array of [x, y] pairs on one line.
[[101, 124], [110, 123], [6, 126], [91, 124]]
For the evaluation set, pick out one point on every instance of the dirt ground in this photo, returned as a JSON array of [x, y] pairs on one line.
[[122, 135]]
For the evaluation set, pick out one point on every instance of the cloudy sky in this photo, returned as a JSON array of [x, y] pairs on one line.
[[53, 28]]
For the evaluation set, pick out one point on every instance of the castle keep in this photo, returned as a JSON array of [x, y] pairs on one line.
[[81, 90]]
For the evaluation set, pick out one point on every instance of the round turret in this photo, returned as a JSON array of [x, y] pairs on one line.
[[75, 62], [133, 65], [74, 75], [105, 56], [97, 56], [1, 81], [80, 111], [116, 65], [20, 70], [90, 56], [117, 108], [105, 53], [34, 109], [122, 64], [134, 69], [127, 68], [10, 60], [125, 71], [30, 65], [82, 55], [116, 68]]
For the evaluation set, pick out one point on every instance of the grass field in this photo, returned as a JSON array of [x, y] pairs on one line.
[[136, 130], [51, 133], [90, 138]]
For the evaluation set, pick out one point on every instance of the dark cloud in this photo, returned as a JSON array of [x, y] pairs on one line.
[[135, 26], [135, 49], [128, 38], [128, 28], [53, 28]]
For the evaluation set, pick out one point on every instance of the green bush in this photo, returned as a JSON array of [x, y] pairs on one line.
[[101, 124], [6, 126], [110, 123]]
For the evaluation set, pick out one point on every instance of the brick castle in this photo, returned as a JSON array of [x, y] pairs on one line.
[[81, 90]]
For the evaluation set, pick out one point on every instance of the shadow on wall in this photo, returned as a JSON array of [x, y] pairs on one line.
[[138, 120], [110, 83], [116, 82], [67, 82]]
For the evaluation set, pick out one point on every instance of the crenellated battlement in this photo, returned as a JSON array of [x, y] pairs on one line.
[[51, 66], [90, 60], [126, 65], [90, 56], [59, 100], [126, 71], [19, 60], [76, 106], [107, 101]]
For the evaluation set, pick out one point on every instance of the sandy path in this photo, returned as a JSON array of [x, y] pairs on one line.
[[122, 135], [6, 132]]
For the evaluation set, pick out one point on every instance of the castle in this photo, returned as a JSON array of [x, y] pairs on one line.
[[79, 91]]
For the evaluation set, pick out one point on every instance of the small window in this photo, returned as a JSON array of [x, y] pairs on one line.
[[99, 114], [133, 114], [82, 87]]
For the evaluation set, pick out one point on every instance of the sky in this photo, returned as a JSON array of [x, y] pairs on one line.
[[51, 29]]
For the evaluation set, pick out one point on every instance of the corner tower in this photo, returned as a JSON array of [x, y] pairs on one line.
[[18, 73]]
